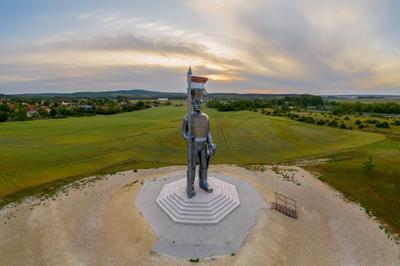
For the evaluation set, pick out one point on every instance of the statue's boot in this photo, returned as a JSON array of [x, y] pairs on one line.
[[203, 181], [190, 184]]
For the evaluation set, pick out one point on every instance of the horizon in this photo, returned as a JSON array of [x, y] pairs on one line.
[[182, 92], [258, 47]]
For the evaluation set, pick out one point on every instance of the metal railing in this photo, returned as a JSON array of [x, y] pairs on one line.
[[285, 205]]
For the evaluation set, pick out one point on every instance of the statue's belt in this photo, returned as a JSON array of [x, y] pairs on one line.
[[200, 139]]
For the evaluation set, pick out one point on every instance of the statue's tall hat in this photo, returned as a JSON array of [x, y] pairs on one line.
[[197, 89]]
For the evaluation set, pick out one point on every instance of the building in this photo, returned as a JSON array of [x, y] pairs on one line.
[[32, 113]]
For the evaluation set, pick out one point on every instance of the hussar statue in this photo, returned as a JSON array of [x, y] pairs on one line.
[[196, 132]]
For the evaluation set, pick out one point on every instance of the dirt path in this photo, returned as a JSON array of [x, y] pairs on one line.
[[98, 225]]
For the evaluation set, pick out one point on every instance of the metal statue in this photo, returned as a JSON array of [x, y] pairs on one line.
[[196, 132]]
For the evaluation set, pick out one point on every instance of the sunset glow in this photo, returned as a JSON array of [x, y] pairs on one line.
[[329, 47]]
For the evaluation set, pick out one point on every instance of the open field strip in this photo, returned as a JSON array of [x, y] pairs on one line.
[[45, 154], [36, 152]]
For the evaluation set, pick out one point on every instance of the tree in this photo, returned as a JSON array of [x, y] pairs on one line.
[[53, 112], [369, 165], [3, 117], [4, 108], [382, 124], [140, 105], [20, 112], [333, 123]]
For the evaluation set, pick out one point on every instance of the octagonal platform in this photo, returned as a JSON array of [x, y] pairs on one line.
[[194, 240], [204, 208]]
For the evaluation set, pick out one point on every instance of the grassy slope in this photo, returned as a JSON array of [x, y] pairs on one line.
[[379, 191], [37, 152]]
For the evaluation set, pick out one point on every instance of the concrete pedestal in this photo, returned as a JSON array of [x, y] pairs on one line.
[[204, 208], [230, 212]]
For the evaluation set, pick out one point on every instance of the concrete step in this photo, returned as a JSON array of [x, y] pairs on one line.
[[204, 208]]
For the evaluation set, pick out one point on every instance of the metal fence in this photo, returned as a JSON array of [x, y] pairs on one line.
[[285, 205]]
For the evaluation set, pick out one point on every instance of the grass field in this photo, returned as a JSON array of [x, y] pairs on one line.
[[350, 121], [37, 152], [379, 191], [52, 151]]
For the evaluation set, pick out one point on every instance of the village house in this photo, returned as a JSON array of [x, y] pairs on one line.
[[32, 113]]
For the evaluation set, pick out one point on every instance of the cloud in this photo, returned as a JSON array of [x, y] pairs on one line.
[[320, 47], [326, 44]]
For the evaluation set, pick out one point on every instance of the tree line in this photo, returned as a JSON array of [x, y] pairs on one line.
[[301, 101], [358, 107], [20, 110], [304, 102]]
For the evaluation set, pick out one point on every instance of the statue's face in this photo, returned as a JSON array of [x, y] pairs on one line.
[[197, 105]]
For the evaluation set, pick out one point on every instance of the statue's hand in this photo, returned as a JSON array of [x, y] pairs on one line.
[[213, 147], [187, 137]]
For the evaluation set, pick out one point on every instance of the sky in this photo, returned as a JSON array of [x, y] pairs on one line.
[[252, 46]]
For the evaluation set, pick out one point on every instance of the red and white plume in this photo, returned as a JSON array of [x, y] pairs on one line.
[[198, 82]]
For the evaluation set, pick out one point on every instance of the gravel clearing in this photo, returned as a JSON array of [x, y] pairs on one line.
[[98, 225]]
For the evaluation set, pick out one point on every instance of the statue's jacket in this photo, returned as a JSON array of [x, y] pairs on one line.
[[200, 126]]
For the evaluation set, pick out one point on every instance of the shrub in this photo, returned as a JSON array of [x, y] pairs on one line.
[[346, 118], [371, 121], [343, 126], [361, 126], [369, 165], [358, 122], [396, 123], [320, 122], [333, 123], [382, 124], [309, 119]]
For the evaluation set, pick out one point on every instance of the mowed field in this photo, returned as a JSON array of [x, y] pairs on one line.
[[37, 152], [39, 157]]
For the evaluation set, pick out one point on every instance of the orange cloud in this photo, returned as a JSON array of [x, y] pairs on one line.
[[267, 91]]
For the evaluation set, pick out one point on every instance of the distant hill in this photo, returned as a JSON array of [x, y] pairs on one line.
[[137, 94], [145, 94], [141, 94], [246, 95], [355, 96]]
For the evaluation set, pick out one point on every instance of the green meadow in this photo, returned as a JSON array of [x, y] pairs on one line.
[[41, 154], [36, 152], [379, 191]]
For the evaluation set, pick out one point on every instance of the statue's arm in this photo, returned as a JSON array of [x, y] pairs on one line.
[[209, 138], [185, 129]]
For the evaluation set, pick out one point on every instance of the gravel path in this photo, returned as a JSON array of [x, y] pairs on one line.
[[97, 224]]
